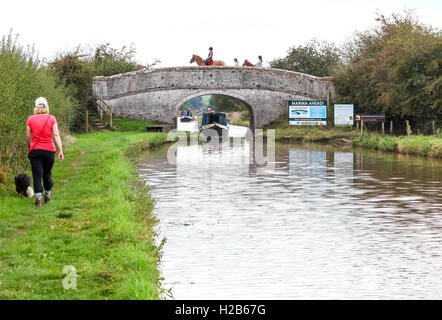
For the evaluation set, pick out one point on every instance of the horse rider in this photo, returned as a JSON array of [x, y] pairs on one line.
[[210, 57], [259, 64], [236, 62]]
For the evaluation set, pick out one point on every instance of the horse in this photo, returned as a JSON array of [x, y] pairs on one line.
[[201, 62], [247, 63]]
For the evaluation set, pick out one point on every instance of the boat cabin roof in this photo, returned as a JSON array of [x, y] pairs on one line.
[[218, 117]]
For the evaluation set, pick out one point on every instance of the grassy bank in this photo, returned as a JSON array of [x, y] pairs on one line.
[[99, 221], [125, 124], [284, 131], [313, 133], [430, 146]]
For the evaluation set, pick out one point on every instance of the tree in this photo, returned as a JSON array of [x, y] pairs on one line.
[[76, 69], [317, 58], [194, 103], [395, 69], [227, 104], [109, 61]]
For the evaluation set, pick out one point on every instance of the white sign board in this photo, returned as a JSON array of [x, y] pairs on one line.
[[344, 115]]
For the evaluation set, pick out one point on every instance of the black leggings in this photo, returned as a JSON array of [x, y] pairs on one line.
[[42, 162]]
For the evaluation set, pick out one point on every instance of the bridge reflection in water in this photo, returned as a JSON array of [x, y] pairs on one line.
[[323, 223]]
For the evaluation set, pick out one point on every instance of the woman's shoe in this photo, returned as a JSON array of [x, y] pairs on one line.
[[38, 202], [47, 198]]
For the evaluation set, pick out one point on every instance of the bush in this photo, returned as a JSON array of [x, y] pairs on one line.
[[109, 61], [75, 70], [22, 80], [395, 69], [76, 75]]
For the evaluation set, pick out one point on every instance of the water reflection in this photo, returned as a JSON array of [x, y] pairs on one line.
[[322, 223]]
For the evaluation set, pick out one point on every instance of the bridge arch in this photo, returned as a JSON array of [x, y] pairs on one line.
[[221, 93]]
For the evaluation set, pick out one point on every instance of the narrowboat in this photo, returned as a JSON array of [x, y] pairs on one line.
[[216, 121]]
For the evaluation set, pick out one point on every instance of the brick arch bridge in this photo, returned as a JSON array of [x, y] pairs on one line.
[[157, 94]]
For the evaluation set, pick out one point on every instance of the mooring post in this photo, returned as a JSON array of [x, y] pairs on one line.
[[329, 113], [362, 126], [407, 122], [391, 127]]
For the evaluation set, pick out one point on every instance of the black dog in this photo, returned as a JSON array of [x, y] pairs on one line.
[[23, 185]]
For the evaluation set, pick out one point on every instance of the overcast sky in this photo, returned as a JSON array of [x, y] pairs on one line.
[[172, 31]]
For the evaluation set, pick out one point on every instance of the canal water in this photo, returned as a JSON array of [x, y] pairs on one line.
[[322, 223]]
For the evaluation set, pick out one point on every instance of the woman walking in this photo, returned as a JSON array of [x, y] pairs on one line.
[[39, 130]]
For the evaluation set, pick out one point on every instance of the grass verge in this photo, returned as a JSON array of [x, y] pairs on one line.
[[126, 124], [99, 221], [286, 132], [283, 131], [430, 146]]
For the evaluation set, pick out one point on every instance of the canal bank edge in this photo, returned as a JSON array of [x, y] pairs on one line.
[[99, 226], [429, 146]]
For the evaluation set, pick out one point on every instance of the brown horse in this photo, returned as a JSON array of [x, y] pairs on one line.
[[201, 62], [247, 63]]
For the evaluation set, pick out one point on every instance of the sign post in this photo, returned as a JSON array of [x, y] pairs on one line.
[[307, 113], [365, 118]]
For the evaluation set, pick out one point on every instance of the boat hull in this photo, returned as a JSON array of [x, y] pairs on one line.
[[187, 124], [186, 119]]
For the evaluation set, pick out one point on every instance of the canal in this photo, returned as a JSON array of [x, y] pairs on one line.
[[322, 223]]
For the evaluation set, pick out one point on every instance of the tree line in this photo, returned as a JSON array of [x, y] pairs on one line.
[[393, 69]]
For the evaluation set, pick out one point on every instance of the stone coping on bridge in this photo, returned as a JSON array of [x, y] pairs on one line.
[[201, 68]]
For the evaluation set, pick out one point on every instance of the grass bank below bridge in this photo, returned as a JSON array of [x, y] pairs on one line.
[[100, 222]]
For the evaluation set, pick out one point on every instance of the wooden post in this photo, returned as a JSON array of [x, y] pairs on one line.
[[362, 126], [357, 126], [110, 121], [433, 123], [383, 128], [408, 127], [329, 113], [391, 127], [87, 121]]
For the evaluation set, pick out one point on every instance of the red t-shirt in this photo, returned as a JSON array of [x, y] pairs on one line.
[[41, 126]]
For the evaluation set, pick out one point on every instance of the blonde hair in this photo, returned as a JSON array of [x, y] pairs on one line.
[[41, 110]]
